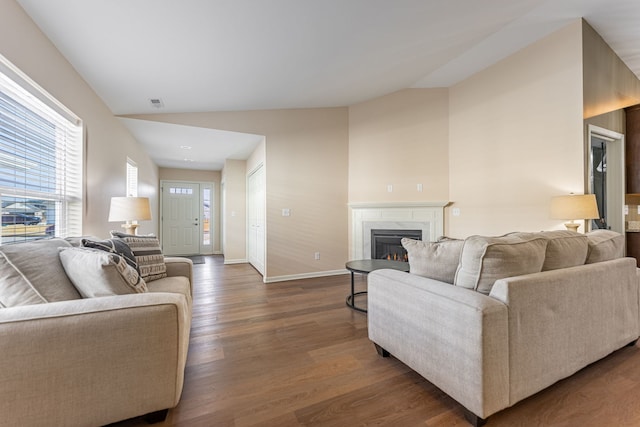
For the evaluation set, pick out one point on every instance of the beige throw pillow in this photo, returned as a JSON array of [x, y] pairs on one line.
[[97, 273], [31, 273], [435, 260], [564, 249], [487, 259], [604, 245]]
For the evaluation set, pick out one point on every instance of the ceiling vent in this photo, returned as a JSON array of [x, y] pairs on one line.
[[156, 102]]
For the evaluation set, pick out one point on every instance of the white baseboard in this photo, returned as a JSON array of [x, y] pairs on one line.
[[235, 261], [304, 276]]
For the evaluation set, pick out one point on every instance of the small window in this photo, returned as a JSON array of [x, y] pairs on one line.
[[132, 178]]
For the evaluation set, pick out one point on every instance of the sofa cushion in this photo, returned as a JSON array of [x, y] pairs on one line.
[[148, 254], [487, 259], [96, 273], [435, 260], [31, 273], [604, 245], [114, 246], [564, 249]]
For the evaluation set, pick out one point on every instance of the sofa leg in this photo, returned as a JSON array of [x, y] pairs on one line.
[[632, 343], [381, 351], [156, 417], [473, 419]]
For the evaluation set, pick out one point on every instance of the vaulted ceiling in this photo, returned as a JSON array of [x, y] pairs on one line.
[[225, 55]]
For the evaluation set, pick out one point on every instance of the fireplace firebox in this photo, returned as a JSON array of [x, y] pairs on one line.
[[385, 244]]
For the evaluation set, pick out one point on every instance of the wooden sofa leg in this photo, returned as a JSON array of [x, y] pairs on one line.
[[473, 419], [156, 417], [381, 351]]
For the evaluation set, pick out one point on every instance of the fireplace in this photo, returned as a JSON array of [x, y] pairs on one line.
[[386, 244], [425, 216]]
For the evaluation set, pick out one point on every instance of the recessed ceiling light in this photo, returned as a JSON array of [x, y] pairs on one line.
[[188, 160], [186, 147], [156, 102]]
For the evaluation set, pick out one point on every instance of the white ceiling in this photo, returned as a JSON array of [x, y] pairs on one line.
[[224, 55]]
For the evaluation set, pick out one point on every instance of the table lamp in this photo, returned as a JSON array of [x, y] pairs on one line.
[[129, 209], [574, 207]]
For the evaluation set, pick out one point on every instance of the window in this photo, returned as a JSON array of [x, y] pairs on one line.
[[40, 161], [132, 178]]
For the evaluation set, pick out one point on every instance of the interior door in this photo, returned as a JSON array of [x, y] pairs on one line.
[[180, 218], [256, 218]]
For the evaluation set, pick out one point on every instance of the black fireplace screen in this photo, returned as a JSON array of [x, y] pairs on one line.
[[385, 244]]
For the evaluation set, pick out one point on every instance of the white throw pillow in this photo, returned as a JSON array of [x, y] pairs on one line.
[[97, 273]]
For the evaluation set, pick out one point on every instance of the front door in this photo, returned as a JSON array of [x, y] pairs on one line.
[[180, 218]]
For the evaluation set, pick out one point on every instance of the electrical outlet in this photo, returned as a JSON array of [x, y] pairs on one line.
[[455, 211], [317, 256], [390, 188], [419, 187]]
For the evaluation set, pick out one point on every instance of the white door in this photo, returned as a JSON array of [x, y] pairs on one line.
[[256, 219], [180, 218]]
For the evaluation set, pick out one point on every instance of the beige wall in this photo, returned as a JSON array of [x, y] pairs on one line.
[[401, 140], [234, 176], [516, 138], [608, 83], [306, 162], [108, 143]]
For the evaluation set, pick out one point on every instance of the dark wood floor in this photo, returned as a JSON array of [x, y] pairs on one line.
[[292, 354]]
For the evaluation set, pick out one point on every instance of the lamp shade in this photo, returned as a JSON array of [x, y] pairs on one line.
[[575, 206], [129, 209]]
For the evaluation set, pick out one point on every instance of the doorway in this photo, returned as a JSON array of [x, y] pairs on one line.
[[607, 177], [186, 221], [256, 219]]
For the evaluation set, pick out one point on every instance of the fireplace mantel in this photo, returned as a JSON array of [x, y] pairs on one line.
[[427, 216]]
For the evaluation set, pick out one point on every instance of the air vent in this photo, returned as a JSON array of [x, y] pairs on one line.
[[156, 102]]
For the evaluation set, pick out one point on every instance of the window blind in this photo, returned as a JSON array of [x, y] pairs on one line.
[[132, 178], [41, 169]]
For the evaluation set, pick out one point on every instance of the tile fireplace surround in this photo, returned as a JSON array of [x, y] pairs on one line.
[[425, 216]]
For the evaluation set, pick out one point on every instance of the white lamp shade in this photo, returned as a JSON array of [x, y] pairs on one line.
[[575, 206], [129, 209]]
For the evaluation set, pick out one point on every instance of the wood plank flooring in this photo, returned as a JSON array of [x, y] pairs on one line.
[[293, 354]]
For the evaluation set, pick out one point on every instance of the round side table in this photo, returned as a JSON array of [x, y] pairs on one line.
[[366, 266]]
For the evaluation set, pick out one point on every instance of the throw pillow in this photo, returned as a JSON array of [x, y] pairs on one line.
[[148, 254], [31, 272], [114, 246], [435, 260], [564, 249], [487, 259], [604, 245], [96, 273]]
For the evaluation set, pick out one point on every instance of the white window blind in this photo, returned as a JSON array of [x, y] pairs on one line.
[[132, 178], [40, 161]]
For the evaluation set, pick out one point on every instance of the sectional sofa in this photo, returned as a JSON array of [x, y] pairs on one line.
[[84, 341], [493, 320]]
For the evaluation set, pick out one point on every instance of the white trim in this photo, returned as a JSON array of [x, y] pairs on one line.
[[616, 183], [386, 205], [304, 276], [236, 261]]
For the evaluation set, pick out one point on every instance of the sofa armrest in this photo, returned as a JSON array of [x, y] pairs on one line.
[[179, 266], [562, 320], [454, 337], [92, 361]]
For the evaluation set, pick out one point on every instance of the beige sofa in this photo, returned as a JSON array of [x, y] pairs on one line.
[[73, 361], [524, 311]]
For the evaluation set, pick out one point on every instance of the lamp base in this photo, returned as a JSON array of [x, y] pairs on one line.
[[130, 228], [572, 226]]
